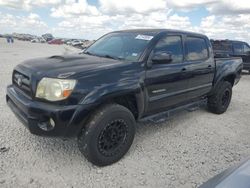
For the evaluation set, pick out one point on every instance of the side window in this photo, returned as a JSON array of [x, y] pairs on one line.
[[172, 45], [246, 48], [196, 49], [238, 48]]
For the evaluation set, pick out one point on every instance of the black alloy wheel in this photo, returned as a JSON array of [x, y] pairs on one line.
[[113, 137]]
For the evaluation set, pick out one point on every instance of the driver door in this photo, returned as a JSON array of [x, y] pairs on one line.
[[166, 83]]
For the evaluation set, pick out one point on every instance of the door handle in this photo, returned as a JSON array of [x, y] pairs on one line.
[[183, 69], [209, 66]]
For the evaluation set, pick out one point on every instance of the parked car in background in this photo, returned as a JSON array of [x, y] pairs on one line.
[[124, 77], [233, 48], [48, 37], [76, 43], [56, 41], [42, 40], [69, 41], [35, 40], [38, 40], [87, 43]]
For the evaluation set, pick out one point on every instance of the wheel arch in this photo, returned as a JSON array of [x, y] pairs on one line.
[[230, 78], [132, 101]]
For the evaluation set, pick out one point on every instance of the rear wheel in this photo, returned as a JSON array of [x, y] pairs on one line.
[[108, 135], [220, 100]]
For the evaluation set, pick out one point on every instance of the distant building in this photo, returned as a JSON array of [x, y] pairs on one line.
[[48, 37]]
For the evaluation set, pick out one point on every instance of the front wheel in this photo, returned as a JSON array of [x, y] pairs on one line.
[[220, 100], [108, 135]]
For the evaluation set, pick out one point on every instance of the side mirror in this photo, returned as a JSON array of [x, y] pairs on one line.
[[161, 57]]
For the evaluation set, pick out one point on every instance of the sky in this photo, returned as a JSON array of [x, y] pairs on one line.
[[90, 19]]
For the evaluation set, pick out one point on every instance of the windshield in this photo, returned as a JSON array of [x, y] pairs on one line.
[[123, 46]]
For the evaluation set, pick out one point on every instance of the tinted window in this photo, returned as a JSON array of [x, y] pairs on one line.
[[246, 48], [125, 46], [196, 48], [238, 48], [172, 45]]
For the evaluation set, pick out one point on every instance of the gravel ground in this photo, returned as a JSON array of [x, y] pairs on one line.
[[183, 152]]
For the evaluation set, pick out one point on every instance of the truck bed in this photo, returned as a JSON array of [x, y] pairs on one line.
[[227, 66]]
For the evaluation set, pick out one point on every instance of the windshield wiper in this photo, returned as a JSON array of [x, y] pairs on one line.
[[107, 56], [112, 57], [88, 53]]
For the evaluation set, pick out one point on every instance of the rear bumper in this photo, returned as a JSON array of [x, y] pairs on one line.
[[34, 115]]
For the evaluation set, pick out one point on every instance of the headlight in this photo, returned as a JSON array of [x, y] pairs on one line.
[[54, 89]]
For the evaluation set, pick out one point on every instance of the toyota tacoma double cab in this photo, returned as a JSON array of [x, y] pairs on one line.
[[126, 76]]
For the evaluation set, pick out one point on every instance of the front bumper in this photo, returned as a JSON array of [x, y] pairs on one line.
[[68, 119]]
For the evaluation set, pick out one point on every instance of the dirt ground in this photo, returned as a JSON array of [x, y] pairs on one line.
[[183, 152]]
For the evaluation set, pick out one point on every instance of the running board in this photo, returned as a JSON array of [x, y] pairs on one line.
[[164, 116]]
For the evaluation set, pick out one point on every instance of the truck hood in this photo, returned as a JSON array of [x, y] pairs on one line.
[[66, 66]]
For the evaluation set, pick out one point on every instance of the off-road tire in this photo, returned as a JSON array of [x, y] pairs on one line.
[[220, 100], [110, 122]]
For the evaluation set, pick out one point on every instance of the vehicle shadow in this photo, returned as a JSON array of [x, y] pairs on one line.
[[245, 73], [173, 122]]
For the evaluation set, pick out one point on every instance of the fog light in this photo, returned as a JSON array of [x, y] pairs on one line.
[[48, 125], [52, 122]]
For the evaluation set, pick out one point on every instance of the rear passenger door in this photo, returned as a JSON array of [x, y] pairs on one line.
[[200, 66]]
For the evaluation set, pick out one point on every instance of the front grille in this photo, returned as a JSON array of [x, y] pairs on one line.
[[22, 82]]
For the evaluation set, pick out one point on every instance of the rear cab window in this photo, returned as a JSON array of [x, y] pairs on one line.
[[196, 48]]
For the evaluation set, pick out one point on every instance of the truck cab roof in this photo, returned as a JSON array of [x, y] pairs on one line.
[[159, 31]]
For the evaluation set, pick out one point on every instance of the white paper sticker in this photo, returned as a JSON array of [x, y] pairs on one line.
[[144, 37], [134, 54]]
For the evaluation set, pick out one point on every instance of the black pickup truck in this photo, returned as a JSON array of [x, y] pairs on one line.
[[124, 77], [232, 48]]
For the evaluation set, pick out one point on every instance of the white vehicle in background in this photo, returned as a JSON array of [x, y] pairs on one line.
[[36, 40], [76, 43], [42, 40], [69, 42]]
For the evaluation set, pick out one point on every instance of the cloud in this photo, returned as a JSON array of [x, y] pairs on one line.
[[230, 7], [28, 4], [226, 27], [188, 5], [127, 7], [116, 15], [10, 23], [74, 8], [226, 18], [217, 7], [156, 20]]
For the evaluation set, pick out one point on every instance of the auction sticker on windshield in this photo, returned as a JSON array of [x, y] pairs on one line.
[[144, 37]]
